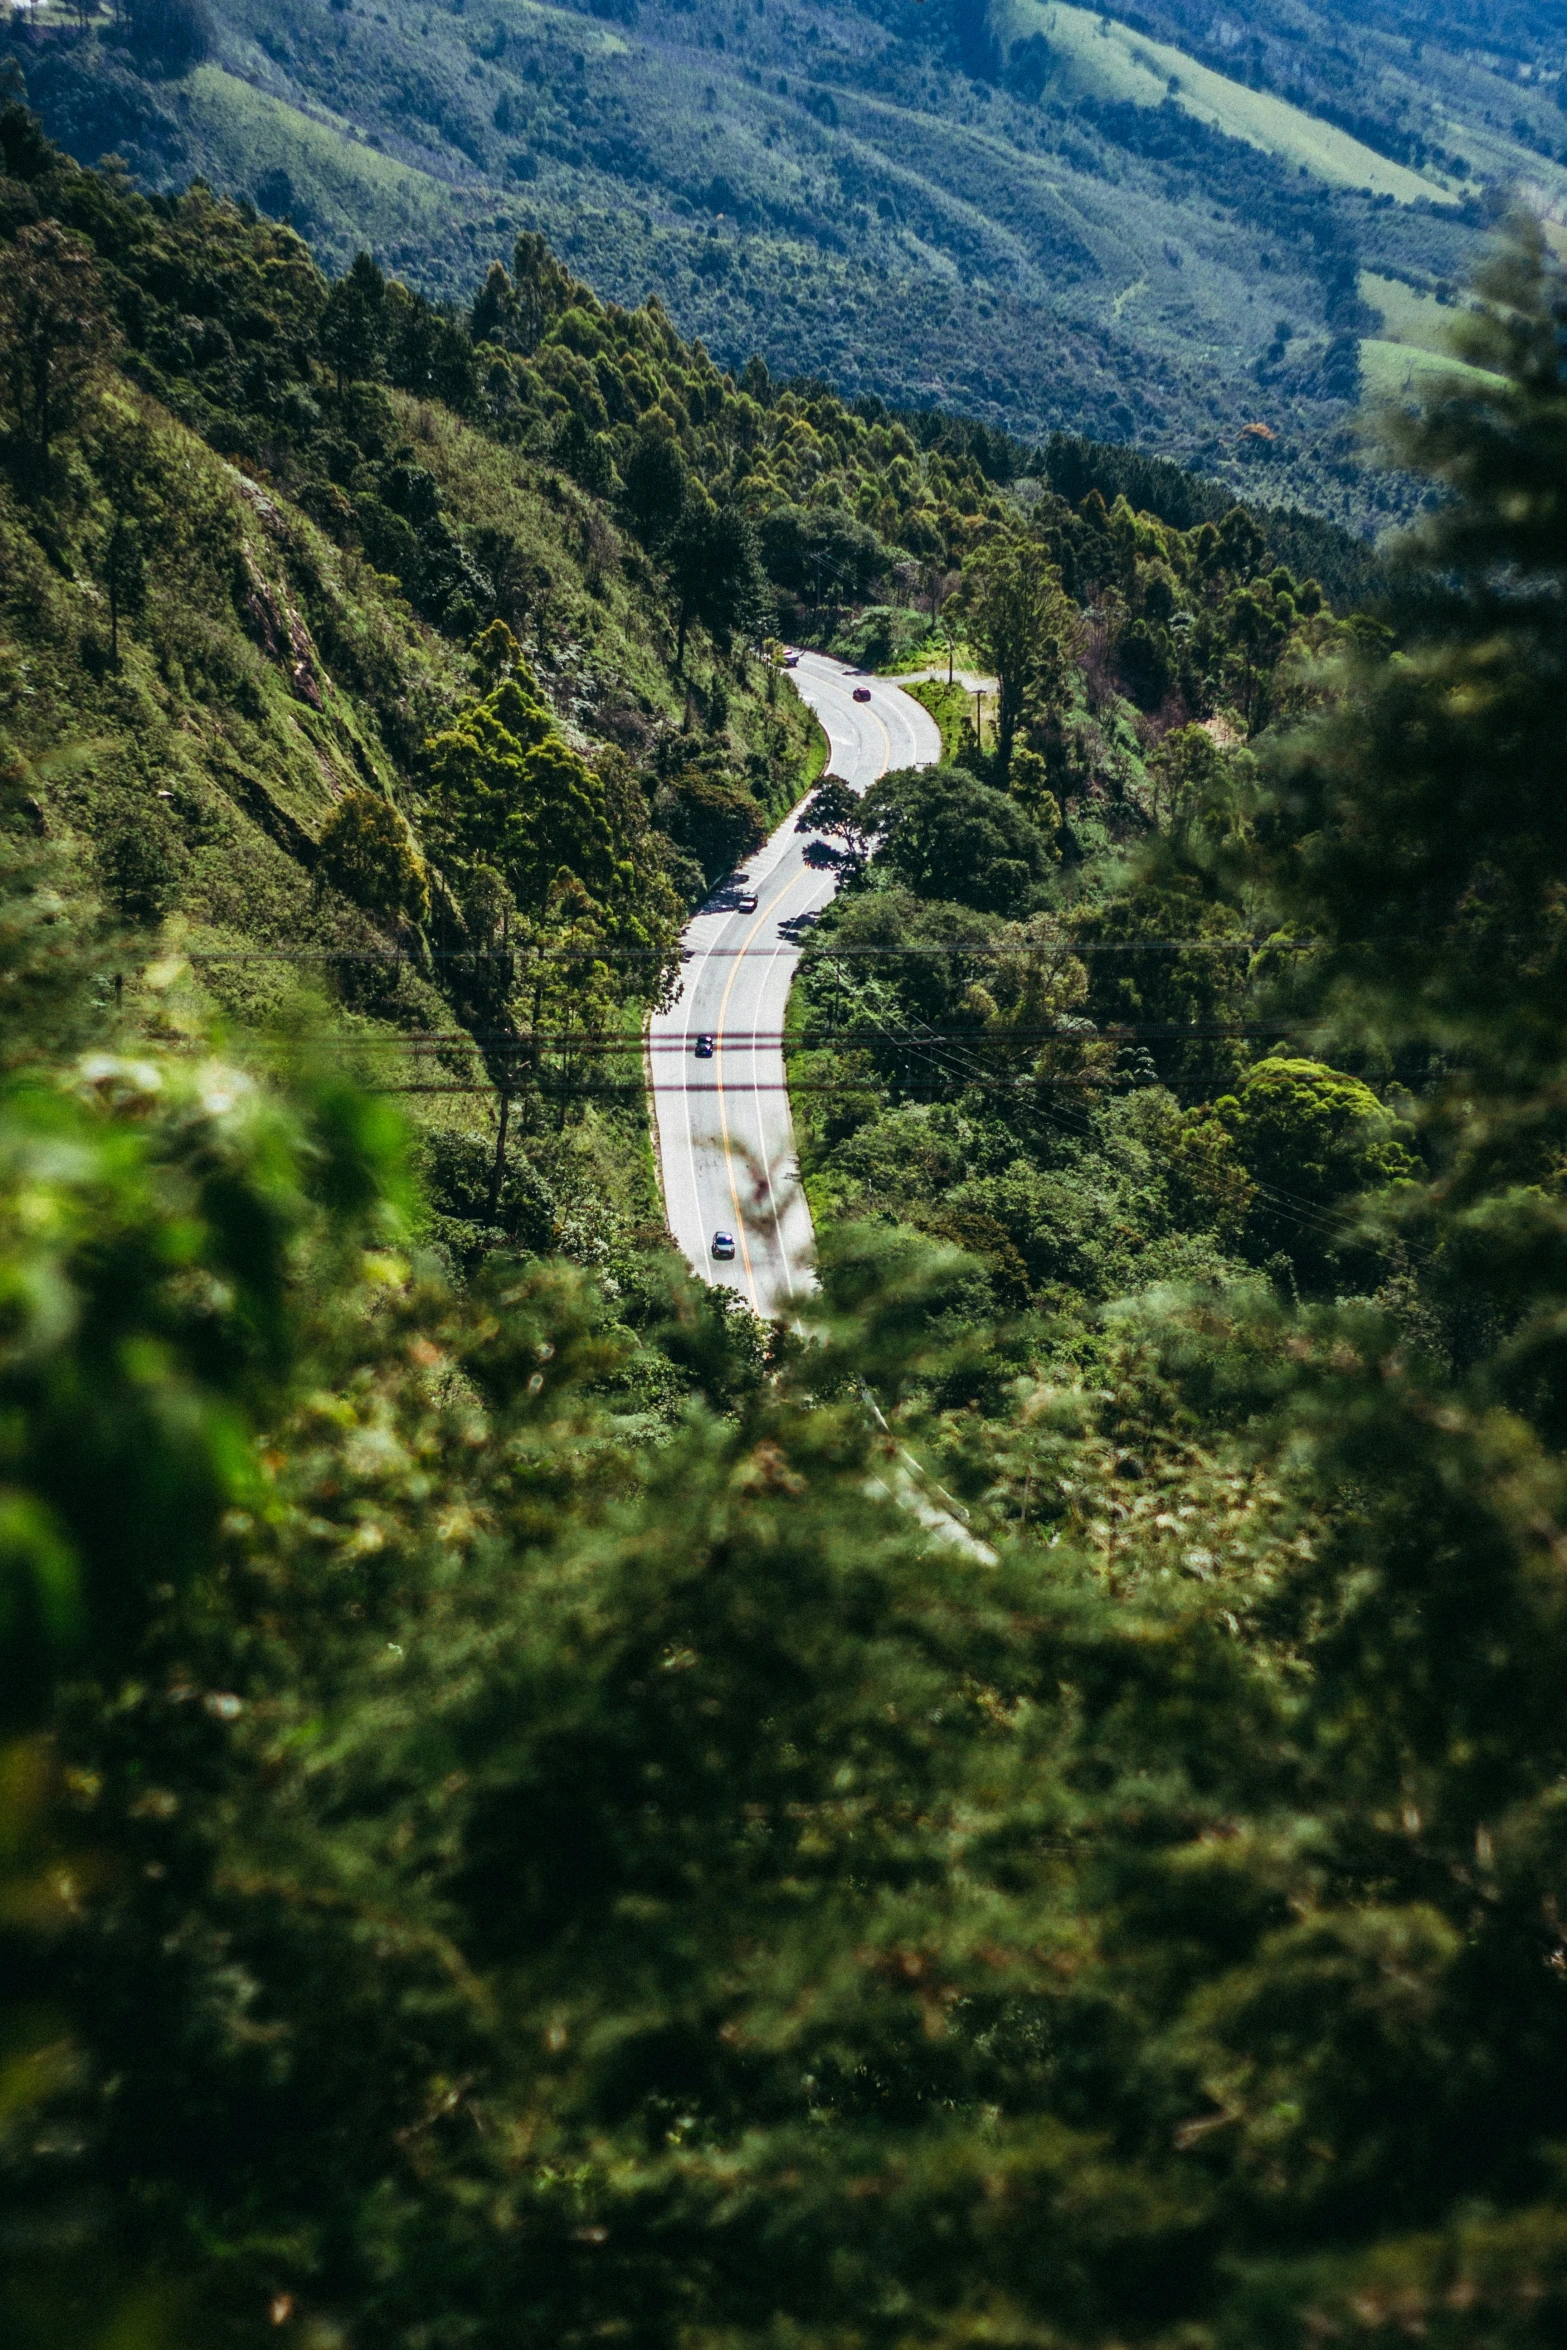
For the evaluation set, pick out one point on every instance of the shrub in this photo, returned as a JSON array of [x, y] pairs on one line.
[[1311, 1139], [881, 635], [949, 836], [368, 853], [714, 820]]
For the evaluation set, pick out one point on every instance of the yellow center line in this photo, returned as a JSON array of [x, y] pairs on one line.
[[723, 1112], [763, 917]]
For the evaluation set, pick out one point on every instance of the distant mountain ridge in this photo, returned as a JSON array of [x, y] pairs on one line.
[[1173, 227]]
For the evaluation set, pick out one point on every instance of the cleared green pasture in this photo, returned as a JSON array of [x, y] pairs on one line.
[[594, 40], [350, 187], [1419, 320], [1112, 61], [1398, 371]]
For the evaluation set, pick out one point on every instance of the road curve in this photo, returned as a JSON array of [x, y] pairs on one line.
[[725, 1136]]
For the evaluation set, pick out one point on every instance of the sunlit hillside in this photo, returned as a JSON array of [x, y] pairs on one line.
[[1045, 217]]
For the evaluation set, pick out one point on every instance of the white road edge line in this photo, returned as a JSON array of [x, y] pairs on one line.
[[711, 1158]]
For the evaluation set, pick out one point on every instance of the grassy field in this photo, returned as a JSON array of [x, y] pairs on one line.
[[341, 182], [527, 17], [1415, 346], [1416, 319], [1110, 59], [1397, 371]]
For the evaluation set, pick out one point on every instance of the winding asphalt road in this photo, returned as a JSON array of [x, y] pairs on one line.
[[725, 1136]]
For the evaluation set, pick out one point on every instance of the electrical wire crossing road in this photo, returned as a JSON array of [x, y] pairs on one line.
[[725, 1137]]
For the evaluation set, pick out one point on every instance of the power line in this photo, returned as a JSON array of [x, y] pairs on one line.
[[1289, 1205], [394, 958], [745, 1040], [623, 1089]]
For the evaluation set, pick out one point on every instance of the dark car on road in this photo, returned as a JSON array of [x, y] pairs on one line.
[[862, 693], [723, 1244], [704, 1048]]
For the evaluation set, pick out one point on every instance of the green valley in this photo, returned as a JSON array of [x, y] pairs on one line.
[[1045, 218]]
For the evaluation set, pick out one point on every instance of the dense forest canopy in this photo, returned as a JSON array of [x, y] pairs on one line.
[[518, 1820]]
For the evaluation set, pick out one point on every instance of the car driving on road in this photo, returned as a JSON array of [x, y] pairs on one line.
[[723, 1244], [747, 902], [862, 693], [704, 1048]]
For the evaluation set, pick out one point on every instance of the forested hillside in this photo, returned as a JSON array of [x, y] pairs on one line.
[[318, 562], [1024, 1807], [1197, 232]]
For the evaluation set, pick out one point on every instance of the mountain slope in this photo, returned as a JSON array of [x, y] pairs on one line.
[[1148, 230]]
